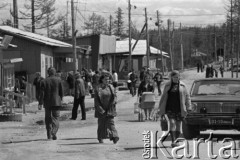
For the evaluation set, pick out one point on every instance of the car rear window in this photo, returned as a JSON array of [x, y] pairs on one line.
[[215, 88]]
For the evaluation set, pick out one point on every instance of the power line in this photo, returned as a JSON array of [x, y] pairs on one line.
[[183, 15]]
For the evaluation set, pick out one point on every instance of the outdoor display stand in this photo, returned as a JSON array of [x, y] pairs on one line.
[[147, 102]]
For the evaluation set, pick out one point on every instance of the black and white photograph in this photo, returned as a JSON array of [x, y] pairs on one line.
[[119, 79]]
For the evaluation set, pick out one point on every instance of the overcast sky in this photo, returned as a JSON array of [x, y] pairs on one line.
[[184, 11]]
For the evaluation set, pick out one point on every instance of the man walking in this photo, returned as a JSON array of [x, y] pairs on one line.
[[51, 96], [158, 79], [133, 78], [79, 97]]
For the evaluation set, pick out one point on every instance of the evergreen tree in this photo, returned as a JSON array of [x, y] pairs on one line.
[[119, 23]]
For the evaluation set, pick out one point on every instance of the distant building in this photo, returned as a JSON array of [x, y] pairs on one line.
[[120, 58]]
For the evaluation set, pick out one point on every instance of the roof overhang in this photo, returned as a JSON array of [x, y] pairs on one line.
[[127, 54]]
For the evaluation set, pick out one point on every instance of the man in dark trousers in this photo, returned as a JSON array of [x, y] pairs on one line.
[[51, 96], [158, 79], [133, 78], [79, 97]]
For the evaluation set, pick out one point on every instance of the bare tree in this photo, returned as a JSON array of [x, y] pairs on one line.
[[42, 14], [96, 24]]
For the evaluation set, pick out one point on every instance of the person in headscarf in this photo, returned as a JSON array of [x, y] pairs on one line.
[[175, 102], [105, 110]]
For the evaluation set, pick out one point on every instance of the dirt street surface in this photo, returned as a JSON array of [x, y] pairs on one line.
[[77, 140]]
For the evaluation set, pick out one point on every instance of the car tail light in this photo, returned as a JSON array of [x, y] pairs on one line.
[[203, 110], [194, 107]]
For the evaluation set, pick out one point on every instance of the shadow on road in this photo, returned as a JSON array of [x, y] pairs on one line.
[[77, 138], [25, 141], [80, 144]]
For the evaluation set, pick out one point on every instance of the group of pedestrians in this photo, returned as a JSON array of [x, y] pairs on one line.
[[50, 93], [147, 84], [213, 72]]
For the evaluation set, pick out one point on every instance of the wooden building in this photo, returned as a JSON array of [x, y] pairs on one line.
[[95, 46], [38, 53]]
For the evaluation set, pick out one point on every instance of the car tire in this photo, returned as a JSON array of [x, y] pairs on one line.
[[67, 107], [189, 131], [11, 117]]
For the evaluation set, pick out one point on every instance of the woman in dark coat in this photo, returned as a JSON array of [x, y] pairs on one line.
[[146, 86], [105, 110]]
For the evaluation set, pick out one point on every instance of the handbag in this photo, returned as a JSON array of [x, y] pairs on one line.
[[164, 123]]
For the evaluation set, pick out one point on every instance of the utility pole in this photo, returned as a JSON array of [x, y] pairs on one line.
[[224, 45], [130, 37], [238, 38], [15, 14], [169, 42], [67, 35], [33, 17], [147, 41], [215, 43], [231, 29], [160, 40], [181, 43], [172, 41], [110, 25], [74, 38]]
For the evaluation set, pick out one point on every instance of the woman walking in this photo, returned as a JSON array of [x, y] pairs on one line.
[[105, 110], [175, 102], [146, 86]]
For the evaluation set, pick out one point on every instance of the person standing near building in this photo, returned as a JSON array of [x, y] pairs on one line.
[[79, 97], [133, 78], [221, 69], [105, 110], [36, 83], [142, 74], [115, 79], [158, 79], [70, 81], [129, 82], [51, 95], [17, 90], [175, 102], [95, 79]]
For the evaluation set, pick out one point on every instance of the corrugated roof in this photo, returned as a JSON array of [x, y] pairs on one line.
[[34, 37], [140, 49]]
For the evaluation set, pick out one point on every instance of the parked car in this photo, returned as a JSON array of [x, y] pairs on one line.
[[235, 68], [215, 105]]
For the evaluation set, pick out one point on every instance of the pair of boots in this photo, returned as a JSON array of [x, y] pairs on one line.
[[148, 114], [174, 136]]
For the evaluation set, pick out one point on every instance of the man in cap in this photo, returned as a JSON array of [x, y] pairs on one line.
[[51, 96], [79, 97]]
